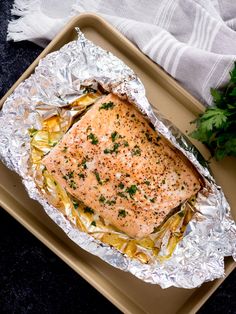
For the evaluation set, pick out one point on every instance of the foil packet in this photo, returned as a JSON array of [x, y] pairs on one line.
[[64, 84]]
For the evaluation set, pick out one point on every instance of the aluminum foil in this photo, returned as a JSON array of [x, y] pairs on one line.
[[57, 81]]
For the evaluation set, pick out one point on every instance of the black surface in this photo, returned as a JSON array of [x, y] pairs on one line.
[[33, 279]]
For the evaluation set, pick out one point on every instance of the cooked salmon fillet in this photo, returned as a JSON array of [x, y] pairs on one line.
[[114, 162]]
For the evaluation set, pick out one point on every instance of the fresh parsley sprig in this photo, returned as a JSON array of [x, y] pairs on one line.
[[216, 127]]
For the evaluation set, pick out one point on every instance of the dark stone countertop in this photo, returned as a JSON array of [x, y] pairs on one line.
[[33, 279]]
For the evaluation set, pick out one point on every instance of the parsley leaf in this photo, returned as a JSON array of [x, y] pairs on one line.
[[93, 138], [216, 126], [107, 105]]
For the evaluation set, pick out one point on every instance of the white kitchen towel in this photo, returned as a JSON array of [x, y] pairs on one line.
[[193, 40]]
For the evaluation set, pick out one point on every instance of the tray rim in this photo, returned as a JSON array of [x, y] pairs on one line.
[[193, 105]]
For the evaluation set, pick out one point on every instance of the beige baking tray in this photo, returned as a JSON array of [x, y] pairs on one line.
[[128, 293]]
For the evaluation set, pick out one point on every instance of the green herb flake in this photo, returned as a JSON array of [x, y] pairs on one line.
[[114, 136], [147, 182], [107, 105], [102, 199], [126, 144], [70, 174], [81, 175], [64, 149], [76, 204], [132, 190], [122, 213], [152, 200], [88, 210], [93, 223], [136, 151], [83, 163], [121, 185], [111, 202], [107, 151], [113, 150], [98, 177], [93, 138], [73, 185], [115, 147], [121, 194]]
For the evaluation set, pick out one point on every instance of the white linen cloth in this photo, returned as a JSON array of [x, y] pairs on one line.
[[193, 40]]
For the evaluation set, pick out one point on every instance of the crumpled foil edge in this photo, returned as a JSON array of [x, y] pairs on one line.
[[210, 235]]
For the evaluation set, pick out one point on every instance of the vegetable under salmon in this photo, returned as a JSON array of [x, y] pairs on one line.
[[114, 162]]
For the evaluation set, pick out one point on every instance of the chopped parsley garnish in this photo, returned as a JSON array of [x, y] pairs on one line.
[[76, 204], [122, 213], [132, 190], [126, 144], [114, 136], [93, 138], [121, 194], [93, 223], [113, 150], [64, 149], [107, 105], [73, 185], [121, 185], [102, 199], [98, 177], [158, 138], [88, 210], [152, 200], [70, 174], [147, 182], [81, 175], [83, 164], [136, 151], [110, 202]]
